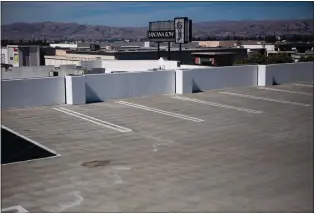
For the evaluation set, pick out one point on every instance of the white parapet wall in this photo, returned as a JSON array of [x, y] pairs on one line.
[[75, 90], [102, 87], [284, 73], [136, 65], [195, 80], [32, 92]]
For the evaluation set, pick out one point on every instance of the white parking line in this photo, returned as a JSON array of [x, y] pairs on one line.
[[93, 120], [282, 90], [265, 99], [217, 105], [31, 160], [18, 208], [160, 111], [304, 85]]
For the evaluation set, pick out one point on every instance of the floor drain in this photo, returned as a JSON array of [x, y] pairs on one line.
[[96, 163]]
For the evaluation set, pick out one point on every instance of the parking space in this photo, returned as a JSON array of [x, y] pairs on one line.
[[272, 102], [278, 94], [209, 151], [52, 128], [299, 86]]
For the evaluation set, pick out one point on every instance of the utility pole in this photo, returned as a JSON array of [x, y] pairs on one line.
[[180, 53], [158, 45], [169, 50]]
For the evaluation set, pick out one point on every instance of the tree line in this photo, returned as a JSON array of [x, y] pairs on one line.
[[267, 38], [278, 58]]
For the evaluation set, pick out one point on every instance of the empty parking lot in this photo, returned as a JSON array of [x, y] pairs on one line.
[[234, 149]]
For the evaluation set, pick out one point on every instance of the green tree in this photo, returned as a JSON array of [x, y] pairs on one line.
[[258, 59], [242, 61], [306, 58], [279, 58], [263, 59]]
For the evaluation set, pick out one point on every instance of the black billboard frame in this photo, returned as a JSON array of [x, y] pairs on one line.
[[159, 28]]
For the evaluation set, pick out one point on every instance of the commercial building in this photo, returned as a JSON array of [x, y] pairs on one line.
[[74, 57], [217, 43], [63, 45], [254, 47], [228, 43], [216, 59], [25, 55], [4, 55], [296, 56], [300, 47], [62, 57]]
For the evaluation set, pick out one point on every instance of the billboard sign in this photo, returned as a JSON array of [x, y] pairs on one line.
[[183, 30], [161, 31], [178, 30], [179, 26], [161, 25]]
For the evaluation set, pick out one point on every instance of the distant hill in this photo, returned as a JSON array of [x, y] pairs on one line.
[[56, 30]]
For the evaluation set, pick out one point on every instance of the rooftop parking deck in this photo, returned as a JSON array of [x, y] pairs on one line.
[[238, 149]]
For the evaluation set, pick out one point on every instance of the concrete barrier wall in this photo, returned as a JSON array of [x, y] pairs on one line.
[[43, 71], [101, 87], [92, 64], [136, 65], [195, 80], [26, 72], [187, 66], [284, 73], [30, 92], [21, 93]]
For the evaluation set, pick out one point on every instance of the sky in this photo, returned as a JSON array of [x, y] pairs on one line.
[[138, 14]]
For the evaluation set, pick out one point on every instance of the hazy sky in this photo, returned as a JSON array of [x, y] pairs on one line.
[[140, 13]]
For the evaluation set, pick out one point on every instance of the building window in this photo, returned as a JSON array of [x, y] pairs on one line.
[[2, 58]]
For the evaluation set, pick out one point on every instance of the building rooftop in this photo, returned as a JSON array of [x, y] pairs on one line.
[[232, 160], [214, 53], [102, 52], [23, 45], [282, 51]]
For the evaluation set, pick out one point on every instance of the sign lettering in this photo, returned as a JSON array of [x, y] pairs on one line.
[[160, 34]]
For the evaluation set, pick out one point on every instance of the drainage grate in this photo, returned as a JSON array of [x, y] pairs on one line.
[[16, 149]]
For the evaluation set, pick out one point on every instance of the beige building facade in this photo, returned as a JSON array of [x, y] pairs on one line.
[[217, 43], [227, 43]]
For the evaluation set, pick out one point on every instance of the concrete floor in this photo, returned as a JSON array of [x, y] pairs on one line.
[[235, 160]]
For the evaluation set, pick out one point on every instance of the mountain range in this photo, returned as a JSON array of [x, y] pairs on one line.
[[57, 30]]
